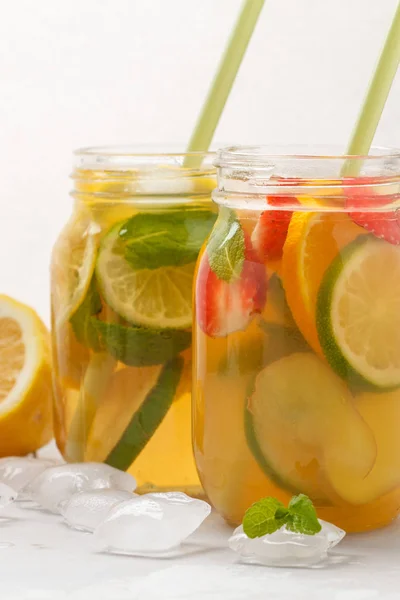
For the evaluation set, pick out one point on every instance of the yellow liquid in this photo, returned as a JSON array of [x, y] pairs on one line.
[[165, 463], [226, 368], [96, 396]]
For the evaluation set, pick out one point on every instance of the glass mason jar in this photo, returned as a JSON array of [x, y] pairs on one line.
[[297, 336], [121, 280]]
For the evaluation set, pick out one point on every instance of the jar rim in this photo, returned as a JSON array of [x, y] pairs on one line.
[[142, 174], [247, 174], [150, 156], [261, 155]]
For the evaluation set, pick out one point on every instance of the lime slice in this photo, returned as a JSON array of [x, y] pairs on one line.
[[74, 259], [160, 298], [358, 313]]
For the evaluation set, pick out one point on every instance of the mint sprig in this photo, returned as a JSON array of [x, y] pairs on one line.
[[226, 247], [173, 238], [269, 515]]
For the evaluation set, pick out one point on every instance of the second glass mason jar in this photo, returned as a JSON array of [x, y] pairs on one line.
[[121, 280], [297, 336]]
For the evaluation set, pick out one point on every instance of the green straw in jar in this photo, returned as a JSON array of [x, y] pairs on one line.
[[223, 81], [375, 99]]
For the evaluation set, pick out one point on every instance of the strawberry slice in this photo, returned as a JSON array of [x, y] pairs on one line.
[[225, 307], [384, 224], [270, 233]]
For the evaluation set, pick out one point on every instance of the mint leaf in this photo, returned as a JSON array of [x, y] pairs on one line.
[[226, 247], [302, 516], [141, 346], [148, 417], [173, 238], [81, 320], [269, 515], [265, 516]]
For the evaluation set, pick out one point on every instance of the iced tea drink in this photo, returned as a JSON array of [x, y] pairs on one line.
[[297, 336], [122, 272]]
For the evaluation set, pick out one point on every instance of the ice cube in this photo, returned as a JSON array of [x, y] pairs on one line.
[[152, 524], [283, 548], [86, 510], [57, 484], [161, 186], [18, 471], [7, 494]]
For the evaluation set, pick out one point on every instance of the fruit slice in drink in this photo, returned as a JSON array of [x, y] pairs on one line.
[[358, 313], [303, 428], [381, 412], [231, 282], [145, 271], [313, 242], [135, 402], [72, 268]]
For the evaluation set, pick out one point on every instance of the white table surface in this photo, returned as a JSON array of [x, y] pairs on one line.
[[42, 559]]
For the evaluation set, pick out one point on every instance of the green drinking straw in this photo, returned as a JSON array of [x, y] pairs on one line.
[[223, 81], [374, 103]]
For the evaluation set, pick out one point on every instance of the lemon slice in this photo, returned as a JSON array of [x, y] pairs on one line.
[[358, 313], [159, 298], [72, 267], [25, 380]]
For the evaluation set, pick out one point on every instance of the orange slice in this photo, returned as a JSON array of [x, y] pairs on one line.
[[314, 239]]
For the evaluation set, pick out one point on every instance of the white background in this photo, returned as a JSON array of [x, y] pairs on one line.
[[83, 72]]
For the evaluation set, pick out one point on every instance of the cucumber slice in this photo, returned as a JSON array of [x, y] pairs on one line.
[[148, 417], [358, 314], [303, 429]]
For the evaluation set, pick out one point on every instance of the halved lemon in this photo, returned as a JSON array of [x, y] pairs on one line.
[[25, 380], [313, 241], [160, 298]]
